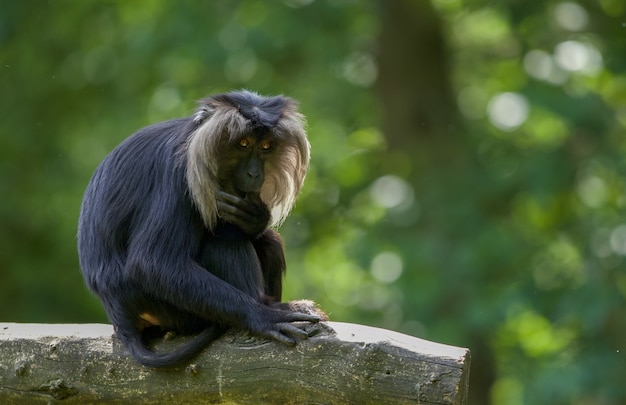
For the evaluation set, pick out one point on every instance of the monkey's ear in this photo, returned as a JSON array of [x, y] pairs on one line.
[[204, 111]]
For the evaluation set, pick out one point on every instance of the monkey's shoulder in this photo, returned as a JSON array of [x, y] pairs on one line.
[[160, 133], [154, 143]]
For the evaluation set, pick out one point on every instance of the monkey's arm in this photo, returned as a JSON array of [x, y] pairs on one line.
[[250, 214], [193, 289], [269, 250], [161, 261]]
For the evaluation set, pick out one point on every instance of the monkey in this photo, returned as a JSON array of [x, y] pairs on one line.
[[176, 230]]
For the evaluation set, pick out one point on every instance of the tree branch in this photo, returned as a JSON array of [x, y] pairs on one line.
[[342, 364]]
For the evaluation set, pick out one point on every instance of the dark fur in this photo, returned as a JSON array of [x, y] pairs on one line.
[[154, 258]]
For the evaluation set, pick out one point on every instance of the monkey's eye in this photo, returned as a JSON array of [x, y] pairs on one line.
[[265, 145], [244, 143]]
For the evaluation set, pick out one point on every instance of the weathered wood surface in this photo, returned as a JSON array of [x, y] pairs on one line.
[[343, 364]]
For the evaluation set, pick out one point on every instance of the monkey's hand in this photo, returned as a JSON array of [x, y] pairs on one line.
[[283, 326], [250, 214]]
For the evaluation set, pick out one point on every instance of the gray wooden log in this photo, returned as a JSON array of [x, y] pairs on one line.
[[342, 364]]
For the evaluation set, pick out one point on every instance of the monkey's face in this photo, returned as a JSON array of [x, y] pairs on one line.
[[242, 164]]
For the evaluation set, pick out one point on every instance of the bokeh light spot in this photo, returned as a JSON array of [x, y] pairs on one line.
[[507, 111]]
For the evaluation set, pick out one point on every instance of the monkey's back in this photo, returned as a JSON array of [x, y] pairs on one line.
[[139, 178]]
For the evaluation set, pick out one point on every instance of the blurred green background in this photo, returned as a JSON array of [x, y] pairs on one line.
[[468, 170]]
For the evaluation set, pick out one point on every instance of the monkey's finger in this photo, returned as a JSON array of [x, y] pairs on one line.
[[236, 204], [225, 207], [235, 200], [293, 331], [252, 202], [225, 214], [279, 337], [222, 195], [301, 316], [230, 212]]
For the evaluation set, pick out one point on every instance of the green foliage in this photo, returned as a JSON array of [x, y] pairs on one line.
[[513, 247]]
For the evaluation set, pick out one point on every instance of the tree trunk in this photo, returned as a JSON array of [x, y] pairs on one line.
[[414, 82]]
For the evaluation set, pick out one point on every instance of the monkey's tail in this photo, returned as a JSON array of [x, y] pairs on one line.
[[133, 341]]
